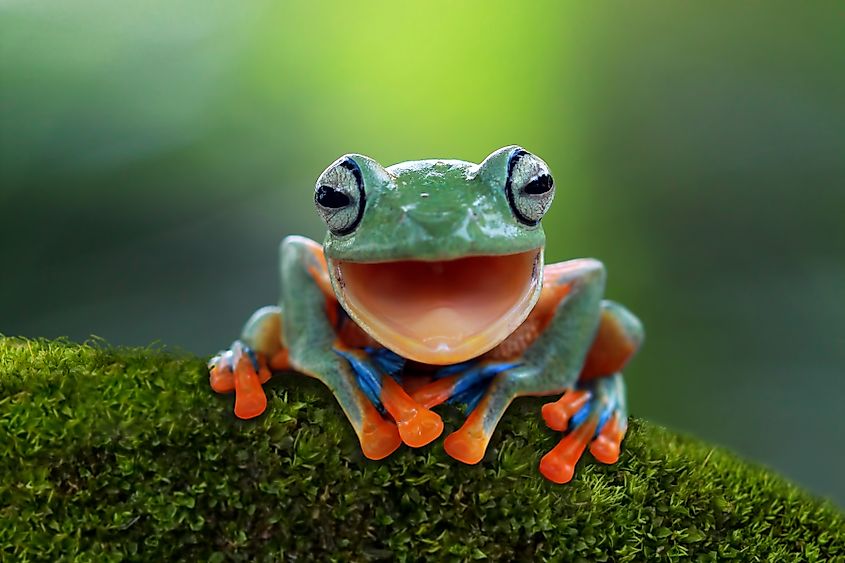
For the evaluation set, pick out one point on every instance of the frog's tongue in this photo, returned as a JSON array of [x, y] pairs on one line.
[[441, 312]]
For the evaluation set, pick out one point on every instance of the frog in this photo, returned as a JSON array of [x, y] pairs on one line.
[[430, 288]]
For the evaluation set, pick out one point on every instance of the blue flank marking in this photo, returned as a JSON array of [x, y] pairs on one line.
[[477, 374], [493, 369], [238, 348], [580, 416], [446, 371], [605, 415], [390, 362], [473, 399], [462, 397], [472, 385], [252, 358], [369, 380], [469, 378]]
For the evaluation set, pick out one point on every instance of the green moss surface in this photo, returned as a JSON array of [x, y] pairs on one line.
[[110, 454]]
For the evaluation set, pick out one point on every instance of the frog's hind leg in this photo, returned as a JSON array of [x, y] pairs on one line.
[[595, 412], [619, 336]]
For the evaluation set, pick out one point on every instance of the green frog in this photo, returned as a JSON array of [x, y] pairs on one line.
[[430, 287]]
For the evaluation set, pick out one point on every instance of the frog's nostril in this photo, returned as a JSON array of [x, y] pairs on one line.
[[438, 222]]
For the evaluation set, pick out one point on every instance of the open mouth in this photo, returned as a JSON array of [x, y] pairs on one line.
[[441, 312]]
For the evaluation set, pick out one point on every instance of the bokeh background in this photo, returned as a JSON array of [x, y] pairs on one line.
[[153, 154]]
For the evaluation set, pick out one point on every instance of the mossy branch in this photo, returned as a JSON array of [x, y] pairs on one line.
[[113, 453]]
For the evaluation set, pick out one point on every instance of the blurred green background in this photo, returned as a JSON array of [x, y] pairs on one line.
[[153, 155]]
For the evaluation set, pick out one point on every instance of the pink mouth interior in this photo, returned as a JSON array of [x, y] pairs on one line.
[[444, 311]]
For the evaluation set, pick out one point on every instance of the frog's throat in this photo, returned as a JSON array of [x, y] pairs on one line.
[[440, 312]]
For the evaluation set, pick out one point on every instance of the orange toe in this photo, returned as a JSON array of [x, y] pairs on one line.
[[280, 361], [558, 465], [421, 428], [250, 400], [417, 425], [466, 445], [556, 469], [554, 416], [557, 414], [605, 448], [264, 374], [251, 405], [435, 393], [379, 437], [222, 379]]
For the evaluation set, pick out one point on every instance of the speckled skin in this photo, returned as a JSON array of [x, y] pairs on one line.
[[442, 210]]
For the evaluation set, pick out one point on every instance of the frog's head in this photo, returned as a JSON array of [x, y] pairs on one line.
[[438, 260]]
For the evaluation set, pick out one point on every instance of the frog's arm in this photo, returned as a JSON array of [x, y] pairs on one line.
[[309, 338], [300, 335], [312, 323], [309, 326], [249, 362]]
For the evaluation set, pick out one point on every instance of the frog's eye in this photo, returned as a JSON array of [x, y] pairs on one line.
[[339, 196], [530, 187]]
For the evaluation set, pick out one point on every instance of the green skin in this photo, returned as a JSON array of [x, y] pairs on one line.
[[464, 214], [441, 210]]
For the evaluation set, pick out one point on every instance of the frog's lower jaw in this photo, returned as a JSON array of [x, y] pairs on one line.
[[441, 312]]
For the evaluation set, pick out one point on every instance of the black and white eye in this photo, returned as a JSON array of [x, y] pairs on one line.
[[339, 196], [530, 187]]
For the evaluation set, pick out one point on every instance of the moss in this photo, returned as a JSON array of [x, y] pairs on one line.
[[112, 453]]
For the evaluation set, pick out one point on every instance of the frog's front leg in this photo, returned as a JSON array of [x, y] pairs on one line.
[[375, 370], [311, 324], [566, 318], [248, 363]]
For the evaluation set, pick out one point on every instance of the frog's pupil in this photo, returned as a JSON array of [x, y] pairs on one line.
[[539, 185], [329, 197]]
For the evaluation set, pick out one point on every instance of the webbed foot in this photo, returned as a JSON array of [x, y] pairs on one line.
[[243, 371], [594, 415], [375, 371], [558, 414], [472, 384], [379, 436], [469, 442]]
